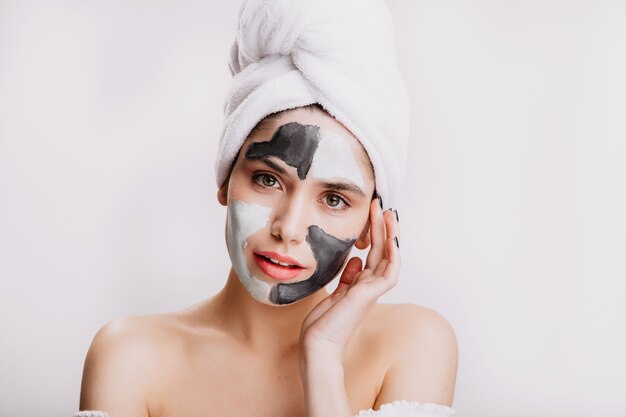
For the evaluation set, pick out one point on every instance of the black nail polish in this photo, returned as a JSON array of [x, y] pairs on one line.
[[380, 200], [397, 217], [395, 238]]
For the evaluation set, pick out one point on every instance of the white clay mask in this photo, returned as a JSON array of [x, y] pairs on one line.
[[334, 160], [243, 220]]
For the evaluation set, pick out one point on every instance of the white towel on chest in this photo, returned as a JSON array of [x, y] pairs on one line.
[[338, 53], [404, 408], [399, 408]]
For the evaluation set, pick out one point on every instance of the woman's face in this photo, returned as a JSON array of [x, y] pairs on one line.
[[298, 199]]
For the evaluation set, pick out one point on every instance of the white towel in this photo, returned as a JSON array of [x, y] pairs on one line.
[[338, 53], [404, 408], [399, 408]]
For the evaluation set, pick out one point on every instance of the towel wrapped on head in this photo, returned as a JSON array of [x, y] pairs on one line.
[[337, 53]]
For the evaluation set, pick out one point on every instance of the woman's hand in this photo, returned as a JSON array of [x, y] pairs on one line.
[[330, 324]]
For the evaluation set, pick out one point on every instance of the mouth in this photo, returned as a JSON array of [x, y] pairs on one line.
[[276, 266]]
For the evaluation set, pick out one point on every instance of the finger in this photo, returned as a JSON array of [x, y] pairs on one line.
[[389, 267], [391, 230], [377, 235], [391, 271], [353, 267], [392, 226], [393, 242], [392, 223], [380, 268], [397, 217]]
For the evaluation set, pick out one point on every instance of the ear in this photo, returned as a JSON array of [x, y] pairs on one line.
[[222, 194], [364, 239]]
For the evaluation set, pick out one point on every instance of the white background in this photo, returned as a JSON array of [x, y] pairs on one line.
[[512, 220]]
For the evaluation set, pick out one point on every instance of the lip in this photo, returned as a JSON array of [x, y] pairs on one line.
[[278, 272], [280, 258]]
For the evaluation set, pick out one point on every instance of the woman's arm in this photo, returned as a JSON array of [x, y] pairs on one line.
[[424, 354], [324, 389], [328, 327], [423, 350]]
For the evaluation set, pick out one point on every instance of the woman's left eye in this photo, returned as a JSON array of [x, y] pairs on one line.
[[334, 201]]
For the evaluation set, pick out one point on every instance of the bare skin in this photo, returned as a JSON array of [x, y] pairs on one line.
[[231, 355]]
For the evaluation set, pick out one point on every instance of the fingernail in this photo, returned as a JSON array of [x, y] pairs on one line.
[[397, 217], [396, 240], [380, 200]]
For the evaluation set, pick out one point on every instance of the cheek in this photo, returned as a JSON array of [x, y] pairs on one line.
[[346, 227], [330, 253], [244, 188], [237, 186], [244, 220]]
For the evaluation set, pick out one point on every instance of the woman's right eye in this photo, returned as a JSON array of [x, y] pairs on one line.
[[265, 180]]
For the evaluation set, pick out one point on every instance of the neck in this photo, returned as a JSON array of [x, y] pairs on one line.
[[263, 328]]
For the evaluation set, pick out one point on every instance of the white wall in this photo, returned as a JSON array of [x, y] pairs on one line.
[[512, 220]]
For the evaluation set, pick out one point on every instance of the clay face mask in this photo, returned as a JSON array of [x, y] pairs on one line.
[[243, 220], [330, 254], [294, 143], [307, 148], [316, 154]]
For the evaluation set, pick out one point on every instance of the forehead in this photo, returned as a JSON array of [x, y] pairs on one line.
[[299, 134]]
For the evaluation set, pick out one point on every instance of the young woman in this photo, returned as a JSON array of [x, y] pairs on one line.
[[301, 189]]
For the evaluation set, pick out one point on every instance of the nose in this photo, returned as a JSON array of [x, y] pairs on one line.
[[290, 219]]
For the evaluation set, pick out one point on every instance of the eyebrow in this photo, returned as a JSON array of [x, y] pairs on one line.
[[267, 161], [342, 186], [335, 186]]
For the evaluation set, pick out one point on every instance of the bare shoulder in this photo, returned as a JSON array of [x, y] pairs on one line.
[[407, 322], [120, 364], [422, 354], [124, 338]]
